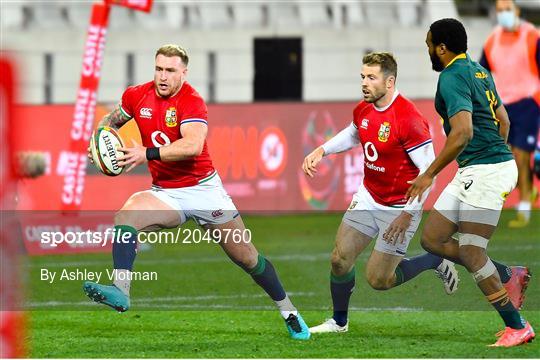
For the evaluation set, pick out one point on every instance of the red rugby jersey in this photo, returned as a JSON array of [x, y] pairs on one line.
[[159, 121], [387, 136]]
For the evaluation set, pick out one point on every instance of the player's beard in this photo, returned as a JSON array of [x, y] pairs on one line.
[[374, 96], [436, 63], [170, 91]]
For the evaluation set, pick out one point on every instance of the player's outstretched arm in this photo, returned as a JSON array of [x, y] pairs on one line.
[[309, 166], [457, 140], [504, 122], [344, 140]]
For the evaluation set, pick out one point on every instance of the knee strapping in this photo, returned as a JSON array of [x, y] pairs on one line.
[[472, 239], [485, 271]]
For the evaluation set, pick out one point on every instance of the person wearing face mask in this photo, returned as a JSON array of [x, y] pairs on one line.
[[512, 54]]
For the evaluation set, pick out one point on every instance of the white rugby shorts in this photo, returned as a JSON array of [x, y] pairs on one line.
[[478, 192], [205, 203], [372, 219]]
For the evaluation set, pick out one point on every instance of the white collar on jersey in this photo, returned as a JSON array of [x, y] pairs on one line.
[[396, 94]]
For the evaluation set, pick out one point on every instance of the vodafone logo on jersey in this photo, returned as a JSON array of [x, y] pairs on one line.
[[273, 151], [159, 138], [145, 113], [371, 154], [370, 151]]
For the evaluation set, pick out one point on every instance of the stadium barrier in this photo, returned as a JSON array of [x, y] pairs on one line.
[[257, 149]]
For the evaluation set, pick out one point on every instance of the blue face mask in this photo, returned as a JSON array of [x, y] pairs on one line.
[[507, 19]]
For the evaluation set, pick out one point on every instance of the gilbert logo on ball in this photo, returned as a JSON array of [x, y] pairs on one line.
[[104, 144]]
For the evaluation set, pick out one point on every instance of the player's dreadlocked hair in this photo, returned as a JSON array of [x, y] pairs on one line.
[[385, 60], [170, 50], [451, 33]]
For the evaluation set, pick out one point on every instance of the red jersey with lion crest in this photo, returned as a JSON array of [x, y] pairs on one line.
[[387, 136], [159, 121]]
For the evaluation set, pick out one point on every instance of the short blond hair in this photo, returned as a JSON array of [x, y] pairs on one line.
[[385, 60], [171, 50]]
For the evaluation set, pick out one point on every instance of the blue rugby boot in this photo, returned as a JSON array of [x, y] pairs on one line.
[[107, 294], [297, 327]]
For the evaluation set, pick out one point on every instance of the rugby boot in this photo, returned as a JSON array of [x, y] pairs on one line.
[[447, 272], [514, 337], [329, 326], [517, 285], [297, 327], [109, 295]]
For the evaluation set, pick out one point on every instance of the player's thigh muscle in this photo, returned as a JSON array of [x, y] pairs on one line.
[[381, 267], [236, 241], [144, 211], [483, 230], [438, 229], [349, 243]]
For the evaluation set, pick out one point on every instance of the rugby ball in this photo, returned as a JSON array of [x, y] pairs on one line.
[[103, 145]]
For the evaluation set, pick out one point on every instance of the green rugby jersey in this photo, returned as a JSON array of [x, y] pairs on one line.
[[466, 85]]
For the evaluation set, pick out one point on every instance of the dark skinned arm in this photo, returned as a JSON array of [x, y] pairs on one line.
[[504, 122], [457, 140]]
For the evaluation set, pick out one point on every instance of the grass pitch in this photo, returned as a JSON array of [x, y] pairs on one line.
[[204, 306]]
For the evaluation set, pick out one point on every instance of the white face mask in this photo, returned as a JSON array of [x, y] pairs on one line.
[[507, 19]]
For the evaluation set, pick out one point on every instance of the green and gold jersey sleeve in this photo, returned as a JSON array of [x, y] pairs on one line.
[[466, 86], [456, 94]]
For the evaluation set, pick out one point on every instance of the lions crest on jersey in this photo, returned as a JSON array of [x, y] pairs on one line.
[[384, 132], [170, 117]]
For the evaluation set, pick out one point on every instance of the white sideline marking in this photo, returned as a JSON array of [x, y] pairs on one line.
[[149, 303], [145, 300], [223, 258], [396, 308]]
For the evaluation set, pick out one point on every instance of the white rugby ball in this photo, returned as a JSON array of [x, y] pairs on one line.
[[104, 144]]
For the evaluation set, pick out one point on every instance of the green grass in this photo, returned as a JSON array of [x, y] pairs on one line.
[[203, 306]]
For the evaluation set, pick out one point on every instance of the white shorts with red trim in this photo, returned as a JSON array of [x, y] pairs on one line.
[[205, 203], [372, 219]]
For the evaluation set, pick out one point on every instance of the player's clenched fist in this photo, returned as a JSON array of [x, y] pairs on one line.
[[311, 161]]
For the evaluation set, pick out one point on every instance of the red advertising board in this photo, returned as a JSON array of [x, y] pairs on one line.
[[66, 232], [257, 149]]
